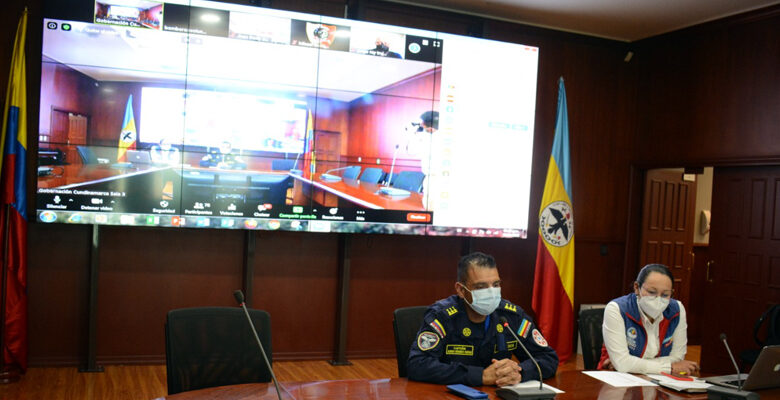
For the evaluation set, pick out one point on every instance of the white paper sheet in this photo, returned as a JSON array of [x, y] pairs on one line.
[[533, 384], [618, 379]]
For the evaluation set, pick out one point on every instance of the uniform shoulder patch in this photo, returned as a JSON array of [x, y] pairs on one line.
[[524, 328], [438, 328], [427, 340], [538, 338]]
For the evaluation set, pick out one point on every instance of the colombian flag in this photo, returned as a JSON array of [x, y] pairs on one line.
[[553, 297], [308, 147], [128, 134], [13, 218]]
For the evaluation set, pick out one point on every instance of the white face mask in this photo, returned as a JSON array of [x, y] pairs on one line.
[[653, 306], [484, 301]]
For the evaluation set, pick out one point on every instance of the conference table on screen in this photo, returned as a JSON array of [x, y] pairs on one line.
[[364, 194], [575, 384], [323, 192]]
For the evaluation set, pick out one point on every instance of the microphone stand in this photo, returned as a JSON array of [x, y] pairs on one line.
[[716, 392], [392, 191], [524, 393], [240, 298]]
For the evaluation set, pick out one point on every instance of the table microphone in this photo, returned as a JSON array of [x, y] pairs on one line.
[[386, 189], [524, 393], [723, 393], [327, 176], [239, 295]]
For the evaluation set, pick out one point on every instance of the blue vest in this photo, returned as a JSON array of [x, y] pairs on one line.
[[636, 336]]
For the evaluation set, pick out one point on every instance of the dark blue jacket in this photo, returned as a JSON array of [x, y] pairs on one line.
[[451, 349]]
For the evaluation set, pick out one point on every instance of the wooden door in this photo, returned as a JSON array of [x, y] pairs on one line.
[[68, 130], [667, 227], [743, 277]]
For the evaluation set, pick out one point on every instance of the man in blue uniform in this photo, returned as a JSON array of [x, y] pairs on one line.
[[463, 341]]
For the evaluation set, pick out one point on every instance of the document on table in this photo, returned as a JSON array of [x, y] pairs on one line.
[[533, 384], [618, 379], [694, 386]]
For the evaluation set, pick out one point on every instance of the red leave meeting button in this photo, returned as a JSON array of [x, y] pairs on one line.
[[418, 217]]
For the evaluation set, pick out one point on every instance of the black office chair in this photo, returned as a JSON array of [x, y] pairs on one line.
[[406, 323], [351, 172], [372, 175], [87, 155], [772, 319], [214, 346], [590, 334], [408, 180]]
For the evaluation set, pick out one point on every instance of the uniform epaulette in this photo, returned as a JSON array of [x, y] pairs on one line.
[[507, 306]]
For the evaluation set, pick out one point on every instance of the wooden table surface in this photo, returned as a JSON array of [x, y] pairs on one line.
[[576, 385]]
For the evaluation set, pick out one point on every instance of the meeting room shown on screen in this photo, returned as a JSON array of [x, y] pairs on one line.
[[239, 117]]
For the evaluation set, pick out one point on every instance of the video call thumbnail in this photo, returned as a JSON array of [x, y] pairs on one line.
[[146, 14]]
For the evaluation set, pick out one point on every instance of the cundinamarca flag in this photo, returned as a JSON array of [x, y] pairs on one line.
[[553, 296]]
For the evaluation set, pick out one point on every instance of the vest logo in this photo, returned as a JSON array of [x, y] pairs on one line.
[[510, 307], [466, 332], [427, 340], [631, 335], [460, 350], [452, 311], [556, 224]]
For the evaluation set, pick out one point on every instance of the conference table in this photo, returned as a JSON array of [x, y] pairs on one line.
[[363, 194], [575, 384]]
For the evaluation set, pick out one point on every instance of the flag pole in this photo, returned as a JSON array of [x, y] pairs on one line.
[[7, 375]]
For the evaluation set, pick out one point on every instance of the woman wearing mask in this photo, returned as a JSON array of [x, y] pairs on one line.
[[645, 331]]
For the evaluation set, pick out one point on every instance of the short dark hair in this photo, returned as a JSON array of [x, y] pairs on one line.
[[647, 269], [430, 119], [475, 259]]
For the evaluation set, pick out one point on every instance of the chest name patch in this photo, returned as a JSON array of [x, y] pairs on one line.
[[460, 350]]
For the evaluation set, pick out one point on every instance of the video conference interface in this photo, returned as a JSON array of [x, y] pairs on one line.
[[207, 114]]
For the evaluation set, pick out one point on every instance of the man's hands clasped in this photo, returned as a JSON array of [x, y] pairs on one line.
[[502, 373]]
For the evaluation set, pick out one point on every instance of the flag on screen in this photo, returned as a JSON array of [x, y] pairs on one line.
[[309, 147], [553, 296], [128, 135], [13, 152]]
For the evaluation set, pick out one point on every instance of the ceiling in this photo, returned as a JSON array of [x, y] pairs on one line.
[[625, 20]]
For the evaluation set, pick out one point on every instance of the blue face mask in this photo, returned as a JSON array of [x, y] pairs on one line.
[[484, 301]]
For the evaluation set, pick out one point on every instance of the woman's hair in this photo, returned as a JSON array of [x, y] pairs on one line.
[[647, 269]]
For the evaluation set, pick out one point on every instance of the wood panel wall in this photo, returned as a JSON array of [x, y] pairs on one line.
[[705, 95], [389, 111], [64, 89], [711, 94]]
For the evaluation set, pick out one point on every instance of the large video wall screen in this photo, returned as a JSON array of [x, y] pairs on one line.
[[215, 115]]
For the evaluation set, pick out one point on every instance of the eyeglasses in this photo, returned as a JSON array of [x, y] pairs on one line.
[[667, 294]]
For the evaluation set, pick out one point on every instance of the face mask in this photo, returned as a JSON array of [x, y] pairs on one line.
[[653, 306], [484, 301]]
